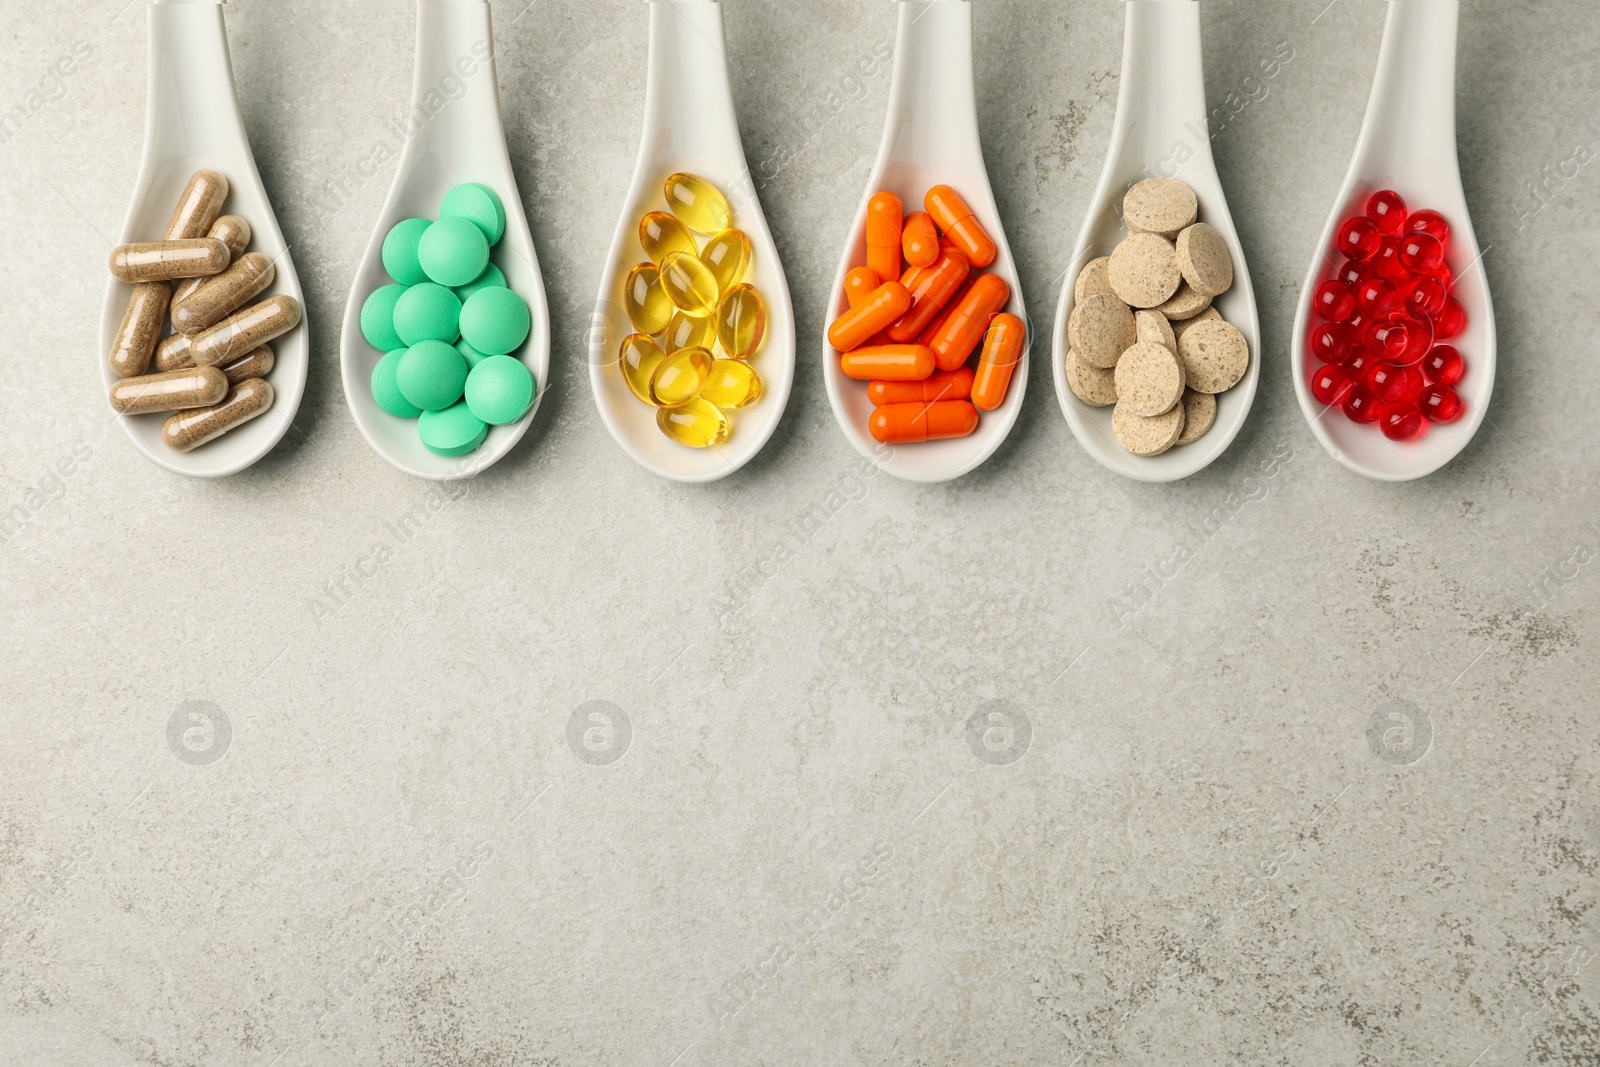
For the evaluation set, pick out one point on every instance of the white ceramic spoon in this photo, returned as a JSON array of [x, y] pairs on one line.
[[1408, 144], [453, 142], [929, 138], [690, 125], [191, 123], [1160, 131]]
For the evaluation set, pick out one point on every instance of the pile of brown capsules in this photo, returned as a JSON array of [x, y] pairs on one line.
[[211, 372]]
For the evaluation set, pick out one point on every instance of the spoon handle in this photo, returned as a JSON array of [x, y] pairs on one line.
[[192, 100], [455, 97], [1161, 103], [689, 115], [1411, 115], [933, 112]]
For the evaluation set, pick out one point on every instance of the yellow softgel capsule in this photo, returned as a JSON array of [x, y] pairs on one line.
[[686, 331], [649, 308], [678, 378], [697, 424], [639, 358], [661, 233], [688, 284], [741, 321], [731, 384], [727, 256], [700, 205]]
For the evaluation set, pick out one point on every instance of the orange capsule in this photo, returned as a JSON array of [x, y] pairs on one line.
[[888, 363], [933, 288], [859, 284], [920, 240], [942, 385], [885, 217], [899, 424], [885, 304], [1002, 350], [965, 326], [958, 222], [931, 331]]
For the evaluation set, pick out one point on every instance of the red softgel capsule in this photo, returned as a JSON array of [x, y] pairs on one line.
[[1444, 365], [1383, 381], [1403, 339], [1400, 421], [1387, 211], [1386, 262], [1353, 273], [1421, 253], [1358, 363], [1411, 384], [1376, 297], [1451, 321], [1359, 405], [1330, 342], [1440, 404], [1424, 296], [1334, 301], [1330, 385], [1359, 237], [1429, 222]]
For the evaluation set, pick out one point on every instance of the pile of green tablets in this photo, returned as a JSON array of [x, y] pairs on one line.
[[448, 324]]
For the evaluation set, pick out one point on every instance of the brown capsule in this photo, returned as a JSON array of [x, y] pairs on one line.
[[191, 429], [244, 330], [175, 352], [254, 364], [140, 330], [175, 390], [199, 206], [156, 261], [221, 296], [232, 231]]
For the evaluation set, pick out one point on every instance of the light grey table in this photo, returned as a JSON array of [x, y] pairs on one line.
[[1215, 847]]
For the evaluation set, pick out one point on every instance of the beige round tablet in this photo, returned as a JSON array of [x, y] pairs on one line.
[[1160, 205], [1146, 436], [1092, 279], [1186, 303], [1204, 259], [1101, 329], [1181, 325], [1149, 379], [1199, 413], [1154, 328], [1094, 386], [1214, 356], [1144, 270]]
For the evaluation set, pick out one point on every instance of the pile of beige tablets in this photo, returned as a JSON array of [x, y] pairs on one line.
[[211, 373], [1143, 334]]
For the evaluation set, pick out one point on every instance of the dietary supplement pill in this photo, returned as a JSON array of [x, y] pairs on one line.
[[727, 255], [155, 261], [919, 240], [174, 352], [930, 290], [660, 234], [431, 375], [141, 327], [188, 430], [222, 295], [689, 284], [1002, 350], [244, 330], [640, 356], [495, 321], [855, 327], [175, 390], [400, 251], [646, 302], [732, 383], [697, 424], [386, 390], [453, 251], [966, 325], [942, 385], [885, 231], [859, 284], [198, 207], [232, 231], [697, 202], [481, 204], [455, 431], [428, 312], [888, 363], [912, 423], [741, 321], [257, 363], [499, 390], [679, 377], [377, 318], [958, 222]]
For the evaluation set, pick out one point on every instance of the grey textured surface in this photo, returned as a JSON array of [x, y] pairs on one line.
[[1216, 846]]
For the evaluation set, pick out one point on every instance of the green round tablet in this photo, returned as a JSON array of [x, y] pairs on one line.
[[455, 431], [499, 390], [494, 321], [431, 375], [453, 251], [400, 251], [386, 391], [427, 312], [491, 278], [479, 203], [470, 354], [377, 318]]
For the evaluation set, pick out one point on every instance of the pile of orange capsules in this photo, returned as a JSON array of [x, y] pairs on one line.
[[911, 335], [685, 301]]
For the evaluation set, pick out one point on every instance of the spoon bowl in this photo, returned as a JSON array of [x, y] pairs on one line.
[[1160, 130], [454, 138], [1408, 144], [192, 122], [690, 126], [930, 137]]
